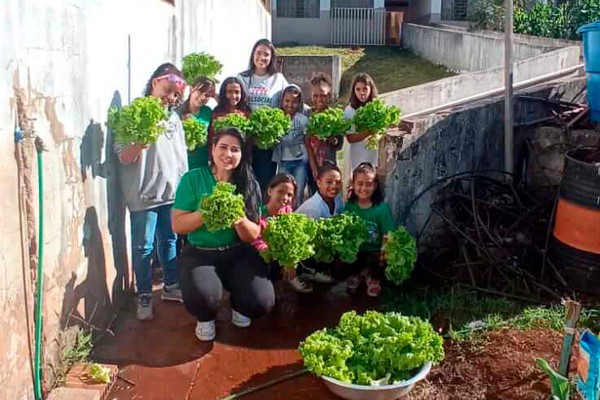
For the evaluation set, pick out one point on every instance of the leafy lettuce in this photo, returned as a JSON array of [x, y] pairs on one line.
[[196, 133], [222, 207], [268, 125], [140, 122], [200, 64], [375, 117], [289, 239], [400, 251], [339, 236], [372, 349], [328, 123]]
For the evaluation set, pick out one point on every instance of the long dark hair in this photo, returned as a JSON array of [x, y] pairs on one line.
[[366, 168], [223, 102], [271, 68], [367, 80], [202, 84], [163, 69], [243, 176]]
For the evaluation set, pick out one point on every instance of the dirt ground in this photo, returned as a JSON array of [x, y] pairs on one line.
[[500, 367]]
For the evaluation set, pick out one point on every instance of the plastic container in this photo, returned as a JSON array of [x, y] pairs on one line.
[[591, 53], [387, 392]]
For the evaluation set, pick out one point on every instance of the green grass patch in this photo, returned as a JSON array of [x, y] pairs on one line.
[[466, 314], [391, 68]]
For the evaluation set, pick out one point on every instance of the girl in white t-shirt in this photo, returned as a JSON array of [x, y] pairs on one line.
[[263, 86], [363, 91]]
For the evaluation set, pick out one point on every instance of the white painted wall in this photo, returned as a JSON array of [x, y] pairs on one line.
[[69, 57]]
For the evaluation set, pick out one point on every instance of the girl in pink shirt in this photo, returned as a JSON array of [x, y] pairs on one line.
[[280, 199]]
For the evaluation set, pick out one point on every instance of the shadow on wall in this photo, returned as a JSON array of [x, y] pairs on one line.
[[116, 211], [94, 289], [99, 301]]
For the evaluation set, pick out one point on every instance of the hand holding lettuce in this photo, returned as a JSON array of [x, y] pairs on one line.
[[289, 239], [327, 124], [140, 122], [222, 208], [375, 117]]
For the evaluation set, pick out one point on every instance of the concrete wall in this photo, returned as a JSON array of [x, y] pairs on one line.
[[312, 31], [469, 138], [66, 62], [464, 51], [443, 91], [300, 70]]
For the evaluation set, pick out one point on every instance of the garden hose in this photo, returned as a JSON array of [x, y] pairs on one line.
[[37, 373], [266, 385]]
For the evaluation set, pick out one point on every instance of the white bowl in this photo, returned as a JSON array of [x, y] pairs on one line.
[[386, 392]]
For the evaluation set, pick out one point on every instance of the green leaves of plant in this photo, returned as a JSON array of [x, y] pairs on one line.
[[340, 236], [196, 133], [374, 348], [328, 123], [233, 120], [200, 64], [268, 125], [376, 117], [289, 238], [141, 122], [401, 254], [560, 385], [222, 207]]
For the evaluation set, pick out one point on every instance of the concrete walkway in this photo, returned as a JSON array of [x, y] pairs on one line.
[[162, 359]]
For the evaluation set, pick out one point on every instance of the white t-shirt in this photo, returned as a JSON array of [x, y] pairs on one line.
[[263, 90], [315, 207], [355, 153]]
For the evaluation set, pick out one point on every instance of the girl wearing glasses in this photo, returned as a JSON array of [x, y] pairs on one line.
[[366, 201], [149, 176]]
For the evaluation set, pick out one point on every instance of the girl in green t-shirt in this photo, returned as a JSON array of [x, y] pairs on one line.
[[195, 106], [366, 201], [226, 259]]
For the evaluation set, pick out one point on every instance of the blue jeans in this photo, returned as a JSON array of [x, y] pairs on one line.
[[145, 227], [299, 170]]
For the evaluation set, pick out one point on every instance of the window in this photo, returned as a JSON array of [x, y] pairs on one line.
[[351, 3], [298, 8]]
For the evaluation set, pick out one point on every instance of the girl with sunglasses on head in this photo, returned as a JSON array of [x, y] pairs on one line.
[[366, 201], [149, 178], [196, 107], [263, 85]]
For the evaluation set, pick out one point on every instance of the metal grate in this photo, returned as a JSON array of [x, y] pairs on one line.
[[298, 8], [351, 3], [357, 27]]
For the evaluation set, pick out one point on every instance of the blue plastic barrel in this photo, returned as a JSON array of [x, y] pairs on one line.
[[591, 53]]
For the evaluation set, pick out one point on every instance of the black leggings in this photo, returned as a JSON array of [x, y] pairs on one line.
[[369, 260], [240, 270]]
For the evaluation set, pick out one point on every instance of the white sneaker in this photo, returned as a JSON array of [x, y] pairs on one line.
[[320, 277], [144, 307], [206, 331], [240, 320], [301, 285]]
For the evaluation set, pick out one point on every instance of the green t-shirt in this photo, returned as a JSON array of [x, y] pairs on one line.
[[379, 221], [195, 185], [199, 156]]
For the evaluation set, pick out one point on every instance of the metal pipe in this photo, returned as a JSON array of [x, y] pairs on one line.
[[509, 120], [494, 92]]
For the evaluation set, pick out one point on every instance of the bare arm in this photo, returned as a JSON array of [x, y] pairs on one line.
[[312, 160], [357, 137], [184, 222], [130, 154], [247, 230]]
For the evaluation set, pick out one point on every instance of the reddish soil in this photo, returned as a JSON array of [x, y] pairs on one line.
[[500, 367]]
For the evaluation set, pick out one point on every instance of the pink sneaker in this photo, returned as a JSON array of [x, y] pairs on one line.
[[373, 287]]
